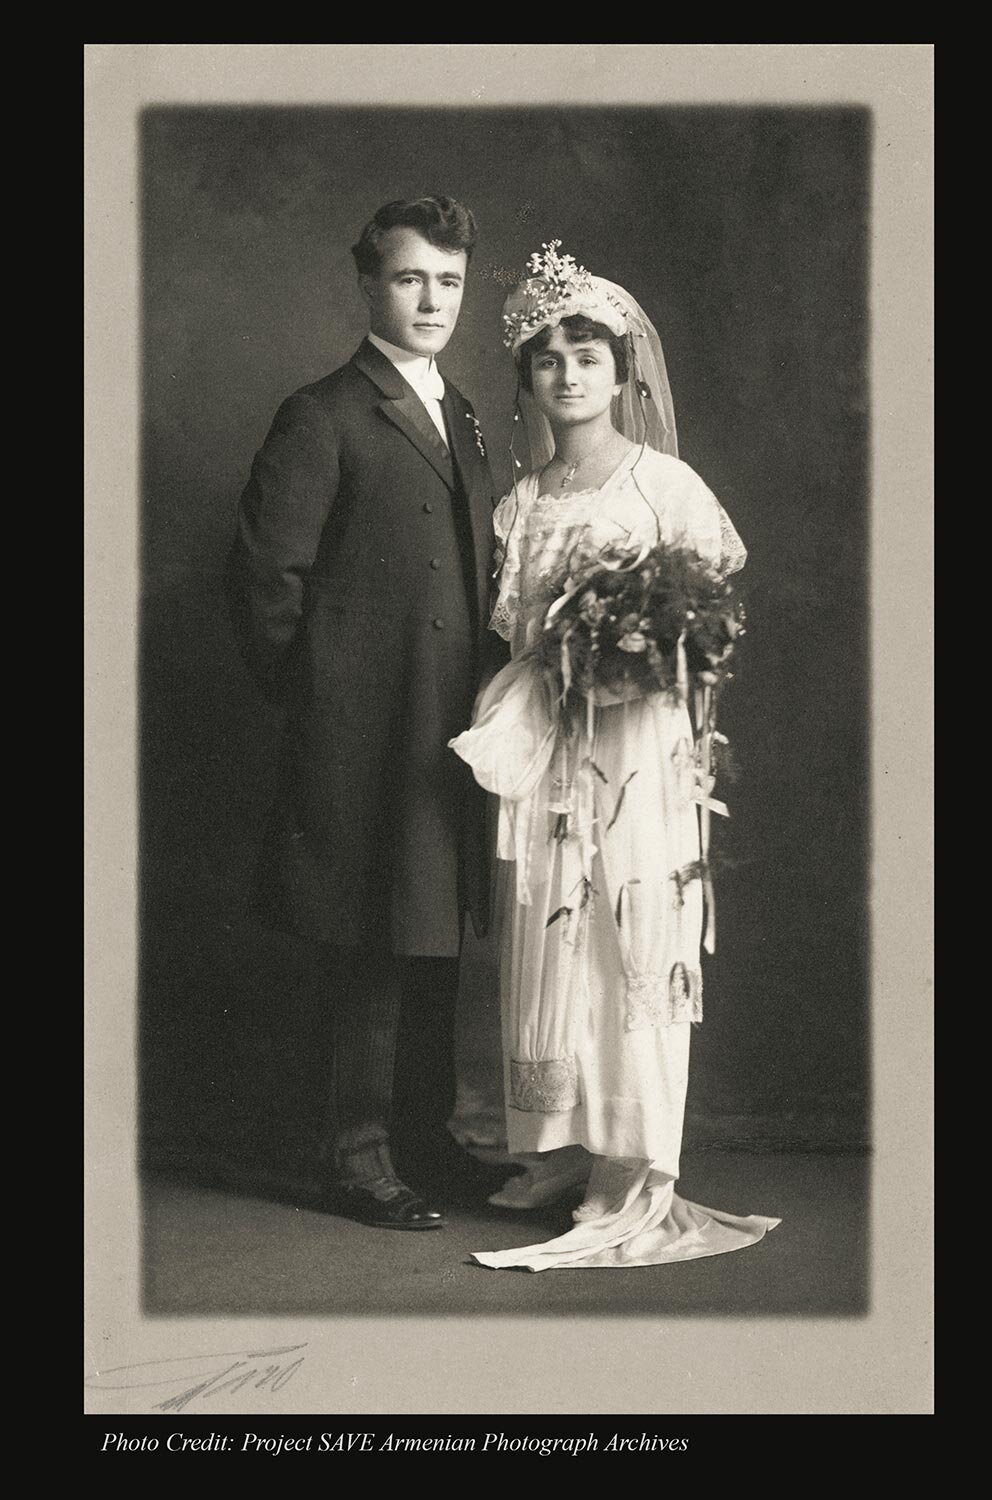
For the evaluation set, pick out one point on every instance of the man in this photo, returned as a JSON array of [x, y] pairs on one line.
[[358, 583]]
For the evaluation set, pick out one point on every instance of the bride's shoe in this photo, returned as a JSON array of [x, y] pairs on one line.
[[610, 1181], [545, 1180]]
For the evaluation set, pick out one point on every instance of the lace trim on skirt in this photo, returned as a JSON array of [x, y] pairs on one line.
[[664, 1000], [546, 1087]]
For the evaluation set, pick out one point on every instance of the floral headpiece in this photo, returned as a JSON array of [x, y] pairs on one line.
[[555, 288]]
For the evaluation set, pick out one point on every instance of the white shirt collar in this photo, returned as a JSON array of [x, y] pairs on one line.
[[419, 369]]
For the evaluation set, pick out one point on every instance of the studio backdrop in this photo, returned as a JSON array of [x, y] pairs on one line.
[[743, 233]]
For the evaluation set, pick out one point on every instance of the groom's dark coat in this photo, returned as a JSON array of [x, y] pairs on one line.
[[359, 586]]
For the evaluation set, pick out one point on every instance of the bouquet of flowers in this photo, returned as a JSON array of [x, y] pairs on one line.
[[659, 622], [624, 627]]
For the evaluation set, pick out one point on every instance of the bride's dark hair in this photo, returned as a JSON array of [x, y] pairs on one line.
[[578, 330]]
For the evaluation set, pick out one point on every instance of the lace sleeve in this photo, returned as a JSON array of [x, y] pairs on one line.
[[705, 524], [733, 553], [507, 568]]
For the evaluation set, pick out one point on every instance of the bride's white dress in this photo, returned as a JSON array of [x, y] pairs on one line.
[[600, 964]]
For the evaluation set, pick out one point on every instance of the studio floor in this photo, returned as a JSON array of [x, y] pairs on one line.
[[220, 1246]]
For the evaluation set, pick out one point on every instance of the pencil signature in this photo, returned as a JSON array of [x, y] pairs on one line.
[[210, 1374]]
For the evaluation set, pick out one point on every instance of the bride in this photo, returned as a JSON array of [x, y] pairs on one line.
[[600, 819]]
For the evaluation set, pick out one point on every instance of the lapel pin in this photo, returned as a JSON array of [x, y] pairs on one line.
[[478, 433]]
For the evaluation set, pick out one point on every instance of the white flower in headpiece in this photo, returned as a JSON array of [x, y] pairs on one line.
[[556, 287]]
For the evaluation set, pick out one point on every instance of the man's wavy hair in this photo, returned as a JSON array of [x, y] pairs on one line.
[[441, 221]]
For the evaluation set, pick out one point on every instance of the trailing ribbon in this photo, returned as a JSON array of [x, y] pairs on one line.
[[681, 669], [706, 727]]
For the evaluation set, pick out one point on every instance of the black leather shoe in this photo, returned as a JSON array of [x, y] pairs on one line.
[[401, 1208]]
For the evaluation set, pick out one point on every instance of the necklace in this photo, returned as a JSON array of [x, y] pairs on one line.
[[572, 469]]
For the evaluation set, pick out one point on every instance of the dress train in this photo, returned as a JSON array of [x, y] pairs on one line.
[[648, 1225]]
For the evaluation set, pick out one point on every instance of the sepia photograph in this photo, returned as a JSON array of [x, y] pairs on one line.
[[505, 890]]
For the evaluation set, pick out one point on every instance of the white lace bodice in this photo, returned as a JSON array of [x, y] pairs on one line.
[[542, 539]]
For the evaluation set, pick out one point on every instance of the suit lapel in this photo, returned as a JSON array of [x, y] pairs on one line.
[[461, 434], [476, 483], [405, 410]]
